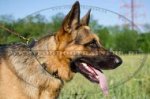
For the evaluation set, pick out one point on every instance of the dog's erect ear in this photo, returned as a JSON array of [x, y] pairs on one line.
[[72, 19], [85, 20]]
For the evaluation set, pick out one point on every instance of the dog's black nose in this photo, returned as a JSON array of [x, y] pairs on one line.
[[118, 61]]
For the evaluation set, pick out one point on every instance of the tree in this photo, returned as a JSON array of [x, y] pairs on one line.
[[126, 41], [56, 22], [104, 36], [144, 42]]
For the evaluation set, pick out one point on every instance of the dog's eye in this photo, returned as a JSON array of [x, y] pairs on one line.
[[92, 44]]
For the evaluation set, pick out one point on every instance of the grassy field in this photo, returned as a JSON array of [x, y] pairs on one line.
[[123, 84]]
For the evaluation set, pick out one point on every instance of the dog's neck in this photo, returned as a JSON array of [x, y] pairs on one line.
[[42, 50], [54, 62]]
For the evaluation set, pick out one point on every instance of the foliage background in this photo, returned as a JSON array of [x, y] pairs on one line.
[[112, 37]]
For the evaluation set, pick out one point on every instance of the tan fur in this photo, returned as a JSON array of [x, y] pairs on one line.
[[26, 80]]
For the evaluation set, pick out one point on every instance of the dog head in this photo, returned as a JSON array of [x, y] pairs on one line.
[[84, 51]]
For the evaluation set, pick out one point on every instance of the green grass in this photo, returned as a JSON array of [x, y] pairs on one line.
[[137, 87]]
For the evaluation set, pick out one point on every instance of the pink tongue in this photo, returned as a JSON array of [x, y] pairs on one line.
[[101, 78], [102, 82]]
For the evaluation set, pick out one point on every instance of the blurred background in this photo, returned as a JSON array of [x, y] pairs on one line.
[[122, 25]]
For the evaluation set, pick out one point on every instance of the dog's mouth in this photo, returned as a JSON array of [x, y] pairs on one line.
[[92, 67], [93, 74]]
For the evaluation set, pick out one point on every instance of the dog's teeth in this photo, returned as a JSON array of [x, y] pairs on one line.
[[85, 65], [97, 77]]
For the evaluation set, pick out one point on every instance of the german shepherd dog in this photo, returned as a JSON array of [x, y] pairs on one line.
[[27, 73]]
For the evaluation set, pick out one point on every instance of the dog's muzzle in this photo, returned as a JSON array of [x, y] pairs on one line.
[[91, 67], [110, 61]]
